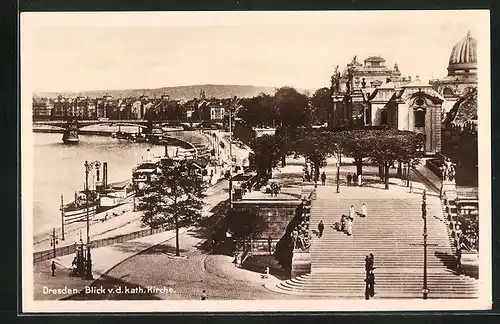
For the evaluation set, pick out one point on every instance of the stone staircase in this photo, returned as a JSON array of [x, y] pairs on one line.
[[392, 231]]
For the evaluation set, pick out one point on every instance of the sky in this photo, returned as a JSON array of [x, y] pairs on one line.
[[109, 51]]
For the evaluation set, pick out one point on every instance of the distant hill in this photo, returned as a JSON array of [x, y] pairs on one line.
[[176, 93]]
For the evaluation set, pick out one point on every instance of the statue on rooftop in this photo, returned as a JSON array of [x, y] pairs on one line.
[[336, 80]]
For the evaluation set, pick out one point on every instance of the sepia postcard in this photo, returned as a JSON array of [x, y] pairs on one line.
[[255, 161]]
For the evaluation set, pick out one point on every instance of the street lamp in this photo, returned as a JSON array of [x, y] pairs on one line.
[[233, 109], [54, 240], [338, 171], [425, 290], [88, 168]]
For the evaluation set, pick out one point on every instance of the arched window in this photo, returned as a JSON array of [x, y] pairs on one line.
[[419, 115]]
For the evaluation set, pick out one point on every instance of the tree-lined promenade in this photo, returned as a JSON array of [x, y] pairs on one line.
[[384, 147]]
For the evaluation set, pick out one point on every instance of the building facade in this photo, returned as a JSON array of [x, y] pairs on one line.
[[371, 94], [351, 89], [462, 72], [412, 106]]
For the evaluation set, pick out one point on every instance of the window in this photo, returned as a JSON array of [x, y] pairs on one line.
[[419, 115]]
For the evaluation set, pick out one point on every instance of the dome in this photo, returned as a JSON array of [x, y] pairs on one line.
[[463, 56]]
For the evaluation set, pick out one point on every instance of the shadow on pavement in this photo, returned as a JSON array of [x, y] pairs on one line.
[[448, 260], [258, 263], [212, 229], [130, 247], [162, 249]]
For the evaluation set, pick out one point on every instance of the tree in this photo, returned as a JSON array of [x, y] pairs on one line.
[[391, 145], [266, 154], [315, 145], [174, 197], [356, 144], [322, 103], [258, 111], [292, 107]]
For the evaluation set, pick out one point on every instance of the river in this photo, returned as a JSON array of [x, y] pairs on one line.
[[59, 170]]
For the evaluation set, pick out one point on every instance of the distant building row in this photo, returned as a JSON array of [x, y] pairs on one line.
[[142, 107]]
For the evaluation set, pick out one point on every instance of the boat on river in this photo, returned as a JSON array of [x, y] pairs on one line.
[[116, 194], [144, 172], [76, 210]]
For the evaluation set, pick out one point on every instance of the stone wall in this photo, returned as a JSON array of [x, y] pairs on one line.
[[277, 214]]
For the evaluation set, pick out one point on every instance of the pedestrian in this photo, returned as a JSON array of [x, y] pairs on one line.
[[53, 267], [360, 182], [349, 226], [363, 210], [372, 261], [370, 285], [203, 295], [323, 178], [321, 227], [371, 280], [349, 178], [342, 223], [355, 179], [367, 263], [351, 212]]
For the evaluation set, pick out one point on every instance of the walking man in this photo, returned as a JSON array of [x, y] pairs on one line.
[[323, 178], [321, 227], [53, 267], [349, 178], [370, 284]]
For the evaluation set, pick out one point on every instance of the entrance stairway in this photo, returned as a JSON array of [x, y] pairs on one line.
[[392, 231]]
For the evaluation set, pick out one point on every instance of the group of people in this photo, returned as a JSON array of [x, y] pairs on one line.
[[274, 189], [346, 221], [300, 237], [354, 179]]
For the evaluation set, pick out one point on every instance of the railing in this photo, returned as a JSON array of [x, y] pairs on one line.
[[70, 249]]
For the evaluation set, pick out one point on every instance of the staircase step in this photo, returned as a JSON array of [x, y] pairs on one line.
[[392, 231]]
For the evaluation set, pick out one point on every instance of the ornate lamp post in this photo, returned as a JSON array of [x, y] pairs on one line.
[[54, 241], [233, 109], [425, 290], [88, 168]]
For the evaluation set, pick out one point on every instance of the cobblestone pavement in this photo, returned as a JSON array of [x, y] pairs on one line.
[[180, 278]]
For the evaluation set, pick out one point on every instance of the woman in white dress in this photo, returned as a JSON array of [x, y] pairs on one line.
[[349, 225], [351, 212], [363, 210]]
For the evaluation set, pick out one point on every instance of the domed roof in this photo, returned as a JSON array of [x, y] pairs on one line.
[[463, 55]]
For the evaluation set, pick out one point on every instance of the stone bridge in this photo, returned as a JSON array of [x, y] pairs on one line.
[[143, 123], [196, 143]]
